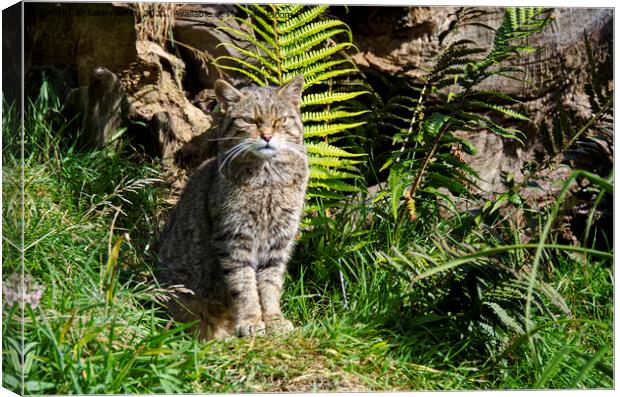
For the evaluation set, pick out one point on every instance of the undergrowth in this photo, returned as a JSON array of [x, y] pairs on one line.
[[379, 302]]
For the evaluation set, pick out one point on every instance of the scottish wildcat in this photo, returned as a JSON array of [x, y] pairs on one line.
[[230, 235]]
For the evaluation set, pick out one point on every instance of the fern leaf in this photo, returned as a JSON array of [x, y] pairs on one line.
[[300, 20], [320, 77], [324, 98], [397, 184], [325, 149], [308, 58], [324, 194], [434, 123], [311, 29], [504, 317], [250, 54], [265, 75], [327, 173], [437, 180], [505, 132], [316, 68], [289, 10], [251, 75], [333, 185], [499, 108], [249, 39], [495, 94], [332, 162], [328, 115], [300, 46], [266, 34], [322, 130]]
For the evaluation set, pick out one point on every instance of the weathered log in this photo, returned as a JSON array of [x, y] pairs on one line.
[[154, 87]]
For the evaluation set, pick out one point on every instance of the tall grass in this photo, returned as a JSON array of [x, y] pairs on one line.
[[378, 305]]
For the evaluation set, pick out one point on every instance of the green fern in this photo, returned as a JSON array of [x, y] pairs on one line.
[[285, 41], [427, 115], [566, 139]]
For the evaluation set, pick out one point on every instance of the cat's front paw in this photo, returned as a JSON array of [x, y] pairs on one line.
[[248, 328], [279, 325]]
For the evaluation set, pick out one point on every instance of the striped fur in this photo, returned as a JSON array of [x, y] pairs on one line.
[[230, 235]]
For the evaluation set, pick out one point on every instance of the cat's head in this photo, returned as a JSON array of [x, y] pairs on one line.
[[262, 121]]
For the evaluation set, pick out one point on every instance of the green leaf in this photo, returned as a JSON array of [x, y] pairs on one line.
[[332, 162], [325, 149], [396, 184], [329, 115], [300, 46], [322, 130], [325, 98], [434, 123], [499, 108], [327, 173], [333, 185], [301, 19], [250, 39], [310, 57]]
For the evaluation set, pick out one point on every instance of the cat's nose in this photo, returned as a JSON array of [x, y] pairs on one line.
[[266, 137]]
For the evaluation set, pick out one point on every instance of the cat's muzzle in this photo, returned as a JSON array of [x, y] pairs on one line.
[[264, 149]]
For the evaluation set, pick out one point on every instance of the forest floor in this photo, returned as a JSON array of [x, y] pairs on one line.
[[366, 319]]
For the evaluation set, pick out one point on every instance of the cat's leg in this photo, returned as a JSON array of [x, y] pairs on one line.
[[187, 309], [270, 277], [240, 278]]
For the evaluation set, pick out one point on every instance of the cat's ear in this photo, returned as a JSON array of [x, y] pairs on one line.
[[292, 89], [226, 94]]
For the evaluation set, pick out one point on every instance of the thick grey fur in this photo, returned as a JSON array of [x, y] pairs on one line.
[[231, 233]]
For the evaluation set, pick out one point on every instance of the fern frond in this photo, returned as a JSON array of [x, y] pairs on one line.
[[324, 194], [289, 10], [498, 108], [311, 29], [329, 115], [266, 32], [323, 130], [505, 132], [327, 173], [318, 67], [258, 72], [244, 36], [251, 75], [310, 57], [285, 41], [300, 20], [324, 98], [250, 54], [332, 162], [325, 149], [321, 77], [504, 317], [300, 46]]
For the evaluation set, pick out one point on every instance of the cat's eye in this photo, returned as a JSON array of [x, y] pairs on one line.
[[247, 120], [282, 120]]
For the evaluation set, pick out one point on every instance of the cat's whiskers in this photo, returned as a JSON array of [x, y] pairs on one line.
[[230, 153], [295, 148], [240, 153]]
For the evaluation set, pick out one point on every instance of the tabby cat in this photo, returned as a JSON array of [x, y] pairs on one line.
[[231, 233]]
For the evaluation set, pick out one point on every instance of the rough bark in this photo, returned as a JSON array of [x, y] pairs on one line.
[[154, 87]]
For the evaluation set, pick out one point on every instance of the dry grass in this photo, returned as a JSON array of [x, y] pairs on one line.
[[154, 21]]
